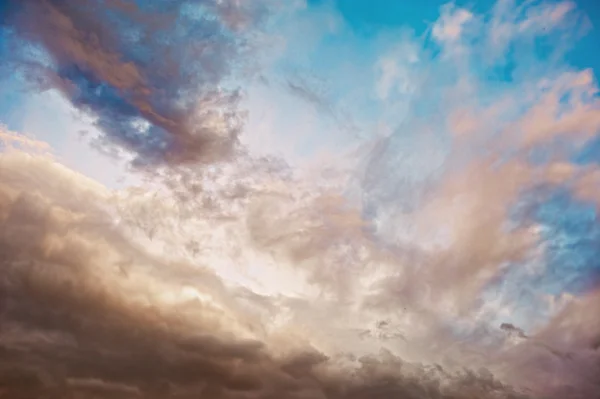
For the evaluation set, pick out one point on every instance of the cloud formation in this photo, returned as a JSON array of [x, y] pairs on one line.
[[418, 266], [155, 76], [88, 313]]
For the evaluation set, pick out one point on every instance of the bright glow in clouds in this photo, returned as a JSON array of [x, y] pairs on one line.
[[272, 203]]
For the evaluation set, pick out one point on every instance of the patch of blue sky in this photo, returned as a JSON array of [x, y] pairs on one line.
[[369, 17], [516, 300], [336, 59], [12, 98], [587, 53], [349, 51], [572, 241], [569, 261], [589, 154], [50, 118], [15, 85], [322, 44]]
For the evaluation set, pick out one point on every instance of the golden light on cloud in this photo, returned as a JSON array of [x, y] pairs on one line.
[[306, 212]]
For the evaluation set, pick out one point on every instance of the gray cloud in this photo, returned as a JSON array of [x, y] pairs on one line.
[[82, 315], [512, 329], [152, 74]]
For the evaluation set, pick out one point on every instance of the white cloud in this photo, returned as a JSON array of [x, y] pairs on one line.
[[397, 71], [450, 26]]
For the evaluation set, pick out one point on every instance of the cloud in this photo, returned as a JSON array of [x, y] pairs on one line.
[[396, 274], [455, 204], [153, 76], [396, 72], [77, 283], [467, 261], [71, 287], [568, 106], [449, 27], [511, 21], [14, 141], [88, 312]]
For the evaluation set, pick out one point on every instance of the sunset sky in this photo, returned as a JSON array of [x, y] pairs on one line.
[[299, 199]]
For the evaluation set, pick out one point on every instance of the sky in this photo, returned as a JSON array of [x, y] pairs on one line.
[[326, 199]]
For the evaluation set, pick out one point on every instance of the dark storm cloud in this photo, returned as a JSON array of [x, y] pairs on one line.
[[150, 72], [81, 316]]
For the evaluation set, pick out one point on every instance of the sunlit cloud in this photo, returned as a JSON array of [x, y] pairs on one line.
[[313, 212]]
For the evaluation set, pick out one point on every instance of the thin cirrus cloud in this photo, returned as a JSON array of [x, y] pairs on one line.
[[446, 251]]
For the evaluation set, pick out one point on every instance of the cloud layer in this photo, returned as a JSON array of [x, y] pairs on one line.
[[87, 312], [439, 255]]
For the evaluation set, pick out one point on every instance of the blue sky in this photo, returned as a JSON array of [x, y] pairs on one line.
[[369, 18], [424, 167]]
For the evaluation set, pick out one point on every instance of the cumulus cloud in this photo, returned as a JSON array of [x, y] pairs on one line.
[[88, 312]]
